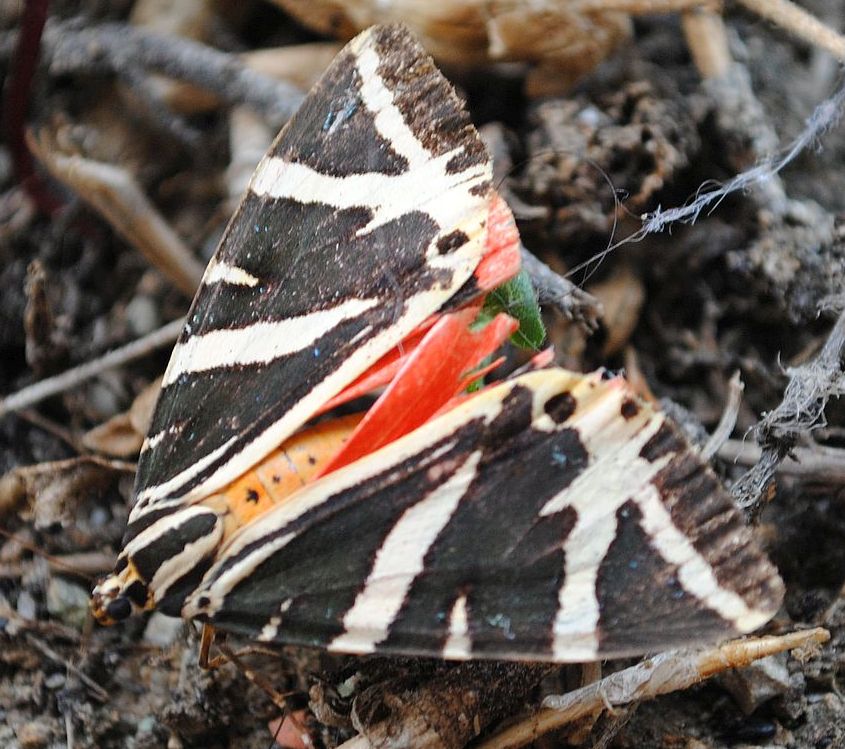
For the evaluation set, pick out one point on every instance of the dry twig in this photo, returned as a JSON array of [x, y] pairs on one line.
[[123, 50], [727, 422], [799, 22], [707, 40], [664, 673], [802, 409], [552, 289], [87, 564], [113, 192], [819, 464], [96, 690], [668, 672], [17, 623], [810, 386], [38, 391]]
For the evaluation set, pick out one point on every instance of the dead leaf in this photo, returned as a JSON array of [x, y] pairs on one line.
[[116, 195], [564, 41], [122, 435], [621, 296], [141, 410], [116, 437], [53, 490]]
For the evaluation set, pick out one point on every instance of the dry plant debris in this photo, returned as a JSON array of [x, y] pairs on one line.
[[661, 674], [177, 120], [560, 42], [115, 194]]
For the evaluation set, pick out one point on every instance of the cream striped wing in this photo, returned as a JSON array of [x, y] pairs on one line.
[[365, 217], [553, 517]]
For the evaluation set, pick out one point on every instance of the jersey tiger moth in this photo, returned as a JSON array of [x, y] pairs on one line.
[[552, 516]]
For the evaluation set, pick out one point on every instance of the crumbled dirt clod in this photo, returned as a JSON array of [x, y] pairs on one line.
[[34, 735], [583, 154], [758, 683]]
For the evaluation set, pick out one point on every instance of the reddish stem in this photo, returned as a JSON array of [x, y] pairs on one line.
[[16, 105]]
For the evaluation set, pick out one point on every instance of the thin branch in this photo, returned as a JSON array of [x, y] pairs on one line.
[[821, 465], [810, 387], [707, 40], [32, 394], [96, 690], [553, 289], [799, 22], [69, 735], [802, 409], [158, 111], [87, 564], [115, 194], [78, 564], [118, 48]]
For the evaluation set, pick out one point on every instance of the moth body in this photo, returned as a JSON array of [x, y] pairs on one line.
[[551, 516], [189, 539]]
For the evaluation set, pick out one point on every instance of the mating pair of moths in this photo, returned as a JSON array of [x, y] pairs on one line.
[[551, 516]]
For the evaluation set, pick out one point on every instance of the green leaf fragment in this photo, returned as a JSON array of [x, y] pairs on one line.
[[518, 299]]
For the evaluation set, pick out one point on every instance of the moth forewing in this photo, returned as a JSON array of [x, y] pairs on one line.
[[519, 525], [365, 217]]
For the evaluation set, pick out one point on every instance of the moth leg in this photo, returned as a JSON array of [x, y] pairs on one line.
[[279, 699], [282, 700], [206, 640], [208, 635]]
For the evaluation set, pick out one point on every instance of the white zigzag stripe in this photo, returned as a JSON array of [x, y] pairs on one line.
[[617, 474], [399, 560], [388, 119], [427, 187], [260, 342], [458, 645], [220, 272]]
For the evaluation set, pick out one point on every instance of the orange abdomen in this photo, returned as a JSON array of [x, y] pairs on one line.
[[297, 462]]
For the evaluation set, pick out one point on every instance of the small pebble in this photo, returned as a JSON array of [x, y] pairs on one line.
[[55, 681], [26, 605], [162, 630], [103, 400], [142, 316], [67, 602], [98, 517], [33, 735]]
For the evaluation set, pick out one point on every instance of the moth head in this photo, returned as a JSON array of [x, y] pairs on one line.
[[160, 565], [118, 595]]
